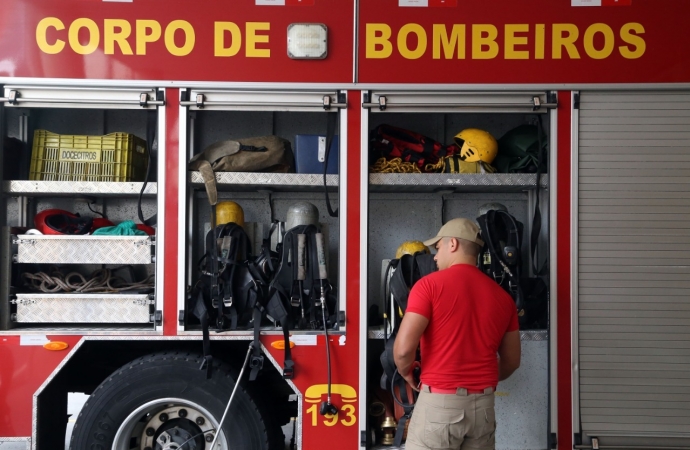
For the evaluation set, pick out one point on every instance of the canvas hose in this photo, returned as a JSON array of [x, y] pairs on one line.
[[395, 165], [100, 281]]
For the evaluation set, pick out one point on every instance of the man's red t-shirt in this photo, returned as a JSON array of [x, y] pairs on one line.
[[468, 315]]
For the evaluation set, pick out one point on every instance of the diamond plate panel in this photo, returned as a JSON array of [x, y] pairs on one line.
[[84, 249], [276, 179], [501, 181], [77, 187], [82, 308]]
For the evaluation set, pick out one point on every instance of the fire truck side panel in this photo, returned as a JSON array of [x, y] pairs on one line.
[[25, 367], [173, 40], [545, 42]]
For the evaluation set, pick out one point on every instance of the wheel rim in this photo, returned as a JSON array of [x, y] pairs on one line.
[[167, 423]]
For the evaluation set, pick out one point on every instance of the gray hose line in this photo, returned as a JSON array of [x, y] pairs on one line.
[[234, 390]]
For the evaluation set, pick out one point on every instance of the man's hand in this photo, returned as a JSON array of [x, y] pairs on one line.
[[412, 376], [406, 343]]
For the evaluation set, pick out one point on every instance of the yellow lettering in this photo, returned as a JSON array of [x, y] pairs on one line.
[[253, 39], [110, 36], [539, 38], [564, 35], [511, 40], [405, 31], [456, 40], [236, 39], [189, 38], [42, 38], [484, 36], [378, 44], [143, 35], [94, 36], [314, 411], [636, 42], [609, 39]]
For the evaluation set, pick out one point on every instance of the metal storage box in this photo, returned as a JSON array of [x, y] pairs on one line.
[[84, 249], [83, 308]]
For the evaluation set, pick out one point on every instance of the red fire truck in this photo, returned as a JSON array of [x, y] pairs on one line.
[[608, 79]]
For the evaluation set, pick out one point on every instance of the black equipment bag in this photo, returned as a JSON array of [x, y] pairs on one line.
[[408, 269]]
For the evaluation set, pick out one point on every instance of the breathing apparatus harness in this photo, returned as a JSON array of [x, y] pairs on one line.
[[233, 286], [406, 271], [501, 258], [301, 283]]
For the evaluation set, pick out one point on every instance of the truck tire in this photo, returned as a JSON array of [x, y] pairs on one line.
[[164, 398]]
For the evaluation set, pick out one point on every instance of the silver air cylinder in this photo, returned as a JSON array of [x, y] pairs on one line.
[[301, 213], [321, 254], [495, 206]]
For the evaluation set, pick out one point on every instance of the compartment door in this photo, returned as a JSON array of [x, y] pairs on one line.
[[633, 264]]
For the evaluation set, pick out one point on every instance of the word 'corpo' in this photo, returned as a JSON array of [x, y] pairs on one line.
[[84, 37]]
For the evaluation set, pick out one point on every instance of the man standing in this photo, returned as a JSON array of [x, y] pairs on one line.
[[468, 328]]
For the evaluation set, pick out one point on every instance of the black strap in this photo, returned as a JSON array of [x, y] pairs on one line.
[[400, 430], [536, 221], [332, 121], [201, 312], [257, 359], [151, 128]]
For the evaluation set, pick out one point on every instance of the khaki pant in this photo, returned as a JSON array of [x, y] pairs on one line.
[[452, 421]]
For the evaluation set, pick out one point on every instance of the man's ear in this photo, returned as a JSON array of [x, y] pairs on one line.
[[454, 244]]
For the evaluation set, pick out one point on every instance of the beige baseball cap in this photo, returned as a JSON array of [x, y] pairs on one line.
[[458, 228]]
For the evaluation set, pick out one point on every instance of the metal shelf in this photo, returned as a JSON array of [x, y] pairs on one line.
[[252, 181], [454, 182], [71, 188], [525, 335], [378, 182]]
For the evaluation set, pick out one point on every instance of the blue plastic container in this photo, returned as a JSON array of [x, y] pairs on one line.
[[310, 154]]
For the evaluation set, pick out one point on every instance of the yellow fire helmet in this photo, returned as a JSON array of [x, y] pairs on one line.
[[227, 212], [410, 248], [476, 145]]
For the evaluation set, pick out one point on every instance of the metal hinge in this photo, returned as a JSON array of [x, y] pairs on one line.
[[382, 103], [576, 101], [157, 317], [12, 97], [553, 440]]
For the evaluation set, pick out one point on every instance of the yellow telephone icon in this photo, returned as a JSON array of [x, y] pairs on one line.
[[315, 392], [347, 414]]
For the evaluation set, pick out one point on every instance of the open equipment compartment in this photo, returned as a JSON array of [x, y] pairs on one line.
[[411, 206], [48, 134], [214, 115]]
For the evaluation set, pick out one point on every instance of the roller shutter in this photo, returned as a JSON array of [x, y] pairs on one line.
[[633, 263]]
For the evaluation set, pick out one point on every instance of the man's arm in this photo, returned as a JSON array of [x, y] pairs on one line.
[[406, 343], [508, 355]]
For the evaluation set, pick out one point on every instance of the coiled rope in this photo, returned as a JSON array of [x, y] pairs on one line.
[[395, 165], [100, 281]]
